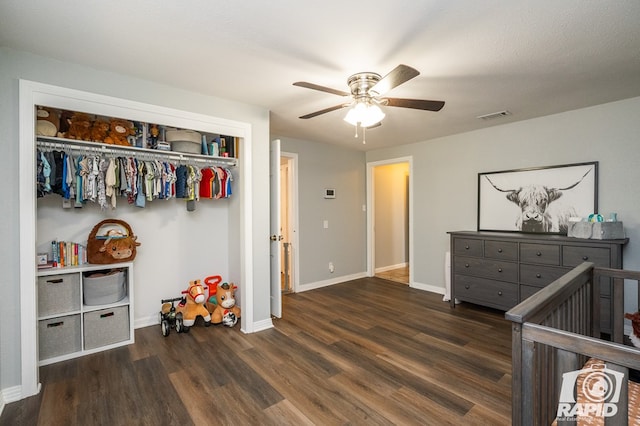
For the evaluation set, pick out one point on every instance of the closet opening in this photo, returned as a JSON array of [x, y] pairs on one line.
[[389, 230]]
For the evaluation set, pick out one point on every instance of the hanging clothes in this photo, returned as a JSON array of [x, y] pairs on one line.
[[103, 178]]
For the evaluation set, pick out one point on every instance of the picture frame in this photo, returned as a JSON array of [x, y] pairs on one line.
[[538, 199]]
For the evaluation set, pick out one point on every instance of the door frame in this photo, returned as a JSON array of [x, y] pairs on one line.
[[371, 240]]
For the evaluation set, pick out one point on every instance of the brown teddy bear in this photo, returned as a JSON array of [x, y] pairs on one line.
[[99, 130], [119, 131], [48, 121], [80, 127]]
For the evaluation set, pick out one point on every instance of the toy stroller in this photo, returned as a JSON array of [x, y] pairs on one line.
[[169, 318]]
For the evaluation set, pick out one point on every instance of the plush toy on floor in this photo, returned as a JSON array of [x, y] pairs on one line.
[[194, 306], [635, 323], [222, 301]]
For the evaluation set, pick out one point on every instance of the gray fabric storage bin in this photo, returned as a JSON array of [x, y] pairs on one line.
[[59, 336], [106, 326], [103, 289], [58, 294], [596, 230]]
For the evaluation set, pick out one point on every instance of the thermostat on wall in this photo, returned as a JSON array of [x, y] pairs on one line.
[[329, 193]]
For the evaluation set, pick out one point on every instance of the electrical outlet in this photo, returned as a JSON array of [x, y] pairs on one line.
[[331, 267]]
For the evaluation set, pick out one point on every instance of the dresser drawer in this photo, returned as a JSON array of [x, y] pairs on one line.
[[504, 250], [467, 247], [573, 256], [496, 294], [544, 254], [487, 268], [527, 291], [540, 276]]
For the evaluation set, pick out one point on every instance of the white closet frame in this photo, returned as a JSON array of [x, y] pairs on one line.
[[32, 94]]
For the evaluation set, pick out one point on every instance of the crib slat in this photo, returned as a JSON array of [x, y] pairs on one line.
[[618, 310]]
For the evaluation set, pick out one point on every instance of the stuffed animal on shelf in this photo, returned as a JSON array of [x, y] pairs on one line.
[[194, 305], [48, 121], [99, 130], [222, 302], [80, 127], [119, 132], [635, 323]]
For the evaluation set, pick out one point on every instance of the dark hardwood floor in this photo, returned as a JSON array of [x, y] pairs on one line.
[[366, 351]]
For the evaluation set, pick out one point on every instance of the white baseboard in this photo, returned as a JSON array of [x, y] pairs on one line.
[[332, 281], [8, 395], [146, 321], [262, 325], [428, 287], [388, 268]]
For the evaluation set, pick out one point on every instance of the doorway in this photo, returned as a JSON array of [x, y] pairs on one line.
[[288, 215], [389, 232]]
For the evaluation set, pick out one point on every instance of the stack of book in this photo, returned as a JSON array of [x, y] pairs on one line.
[[66, 253]]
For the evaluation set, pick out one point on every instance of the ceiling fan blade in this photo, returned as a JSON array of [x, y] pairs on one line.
[[324, 111], [397, 76], [321, 88], [414, 103]]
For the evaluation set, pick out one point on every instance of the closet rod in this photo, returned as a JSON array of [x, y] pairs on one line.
[[82, 147]]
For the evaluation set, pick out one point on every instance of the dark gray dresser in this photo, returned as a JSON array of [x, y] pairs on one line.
[[499, 270]]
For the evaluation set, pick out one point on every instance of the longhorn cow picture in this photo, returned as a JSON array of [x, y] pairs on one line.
[[537, 200]]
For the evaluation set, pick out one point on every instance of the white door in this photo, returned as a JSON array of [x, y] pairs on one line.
[[276, 236]]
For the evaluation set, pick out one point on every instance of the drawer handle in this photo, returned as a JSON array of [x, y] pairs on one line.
[[499, 269], [56, 281], [499, 250], [55, 324], [538, 275], [108, 314], [538, 254], [466, 265], [585, 257], [467, 286], [499, 293], [466, 247]]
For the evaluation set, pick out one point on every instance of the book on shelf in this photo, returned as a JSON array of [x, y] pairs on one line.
[[67, 253]]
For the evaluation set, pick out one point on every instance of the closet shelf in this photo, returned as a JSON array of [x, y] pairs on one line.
[[83, 147]]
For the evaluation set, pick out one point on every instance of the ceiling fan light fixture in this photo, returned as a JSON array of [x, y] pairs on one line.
[[364, 114]]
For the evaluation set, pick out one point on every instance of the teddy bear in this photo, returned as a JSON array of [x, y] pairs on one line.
[[99, 130], [80, 127], [194, 305], [119, 132], [48, 121], [222, 302]]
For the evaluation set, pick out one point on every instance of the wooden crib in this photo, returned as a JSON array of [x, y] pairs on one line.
[[556, 331]]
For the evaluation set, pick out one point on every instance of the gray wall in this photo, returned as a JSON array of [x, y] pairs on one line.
[[15, 65], [445, 173], [323, 166]]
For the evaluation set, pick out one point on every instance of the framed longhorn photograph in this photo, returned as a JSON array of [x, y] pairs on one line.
[[537, 200]]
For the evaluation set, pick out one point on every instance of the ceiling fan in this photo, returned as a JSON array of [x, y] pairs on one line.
[[367, 90]]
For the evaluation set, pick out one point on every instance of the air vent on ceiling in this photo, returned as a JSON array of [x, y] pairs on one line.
[[494, 115]]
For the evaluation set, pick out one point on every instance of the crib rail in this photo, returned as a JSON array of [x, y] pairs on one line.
[[555, 331]]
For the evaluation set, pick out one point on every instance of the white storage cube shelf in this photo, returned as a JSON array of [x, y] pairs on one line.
[[79, 314]]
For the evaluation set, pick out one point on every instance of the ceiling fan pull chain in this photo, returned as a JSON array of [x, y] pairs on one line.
[[364, 135]]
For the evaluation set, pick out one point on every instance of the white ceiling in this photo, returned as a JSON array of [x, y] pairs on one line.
[[532, 58]]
